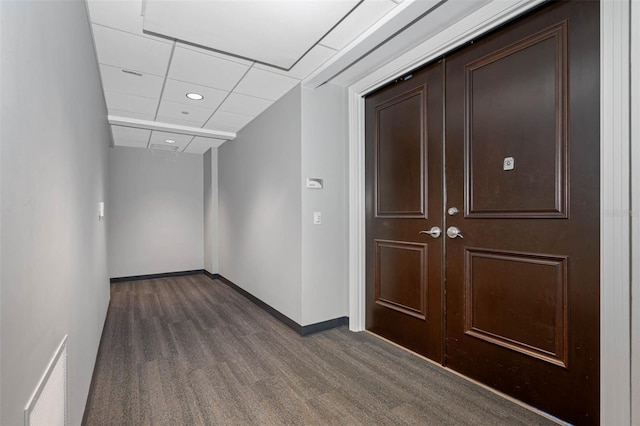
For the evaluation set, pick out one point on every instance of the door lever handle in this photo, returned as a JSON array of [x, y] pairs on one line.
[[434, 232], [453, 232]]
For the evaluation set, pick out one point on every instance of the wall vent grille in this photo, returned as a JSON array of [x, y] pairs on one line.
[[48, 404]]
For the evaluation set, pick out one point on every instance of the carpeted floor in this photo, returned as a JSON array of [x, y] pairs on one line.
[[192, 351]]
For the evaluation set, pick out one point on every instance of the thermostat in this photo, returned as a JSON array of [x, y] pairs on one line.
[[314, 183]]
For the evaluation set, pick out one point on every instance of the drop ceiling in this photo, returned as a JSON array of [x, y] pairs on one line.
[[149, 62]]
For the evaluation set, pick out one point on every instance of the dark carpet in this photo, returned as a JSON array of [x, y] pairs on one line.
[[192, 351]]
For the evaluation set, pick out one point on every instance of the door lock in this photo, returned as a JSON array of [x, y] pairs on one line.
[[452, 211], [434, 232]]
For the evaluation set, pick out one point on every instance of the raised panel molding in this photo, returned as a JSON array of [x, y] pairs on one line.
[[491, 192], [417, 306], [403, 173], [523, 302]]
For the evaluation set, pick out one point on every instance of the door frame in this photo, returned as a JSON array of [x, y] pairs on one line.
[[615, 177]]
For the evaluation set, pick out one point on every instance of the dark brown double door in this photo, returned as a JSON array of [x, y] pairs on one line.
[[506, 131]]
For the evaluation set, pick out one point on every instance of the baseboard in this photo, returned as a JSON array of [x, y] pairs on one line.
[[324, 325], [210, 275], [300, 329], [155, 276]]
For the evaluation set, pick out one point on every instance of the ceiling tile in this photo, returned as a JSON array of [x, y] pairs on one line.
[[178, 121], [176, 91], [132, 103], [200, 145], [265, 84], [214, 53], [160, 138], [205, 70], [115, 80], [130, 136], [361, 18], [129, 114], [135, 53], [309, 63], [227, 121], [125, 15], [246, 105], [184, 112]]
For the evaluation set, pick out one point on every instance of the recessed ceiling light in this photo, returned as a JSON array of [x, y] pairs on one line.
[[195, 96], [170, 141]]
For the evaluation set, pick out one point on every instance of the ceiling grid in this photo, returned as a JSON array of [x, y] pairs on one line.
[[147, 73]]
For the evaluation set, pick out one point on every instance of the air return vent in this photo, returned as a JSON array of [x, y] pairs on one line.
[[48, 404], [159, 147], [132, 73]]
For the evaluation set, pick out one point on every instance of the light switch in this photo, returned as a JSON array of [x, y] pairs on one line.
[[317, 218], [101, 210], [509, 163]]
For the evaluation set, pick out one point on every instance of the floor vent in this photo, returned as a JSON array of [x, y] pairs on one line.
[[48, 404]]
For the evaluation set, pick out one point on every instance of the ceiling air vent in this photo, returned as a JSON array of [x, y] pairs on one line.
[[159, 147], [132, 73]]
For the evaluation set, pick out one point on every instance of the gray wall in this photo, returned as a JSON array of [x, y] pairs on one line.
[[210, 165], [269, 245], [325, 287], [155, 212], [260, 206], [54, 141]]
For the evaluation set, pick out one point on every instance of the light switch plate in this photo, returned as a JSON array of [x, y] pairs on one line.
[[317, 218]]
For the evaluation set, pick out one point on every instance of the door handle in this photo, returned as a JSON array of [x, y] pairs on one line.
[[434, 232], [453, 232]]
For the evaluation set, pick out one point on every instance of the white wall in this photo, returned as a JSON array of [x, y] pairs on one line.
[[635, 216], [1, 138], [210, 165], [268, 243], [260, 205], [155, 212], [325, 247], [54, 141]]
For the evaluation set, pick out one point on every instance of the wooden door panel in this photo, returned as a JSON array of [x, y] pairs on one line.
[[516, 111], [400, 277], [404, 197], [400, 155], [518, 301]]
